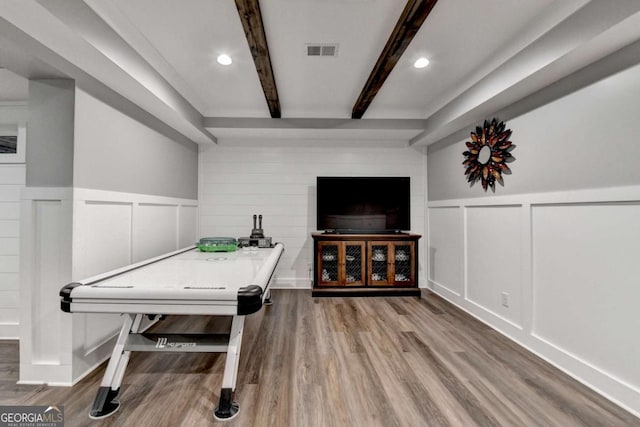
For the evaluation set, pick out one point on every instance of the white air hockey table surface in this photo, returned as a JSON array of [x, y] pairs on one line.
[[185, 282]]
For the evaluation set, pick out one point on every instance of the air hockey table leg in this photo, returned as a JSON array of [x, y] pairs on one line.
[[227, 408], [105, 402], [267, 298]]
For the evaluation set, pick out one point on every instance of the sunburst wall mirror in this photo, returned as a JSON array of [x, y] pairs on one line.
[[488, 153]]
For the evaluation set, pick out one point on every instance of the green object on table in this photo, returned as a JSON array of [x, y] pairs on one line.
[[217, 244]]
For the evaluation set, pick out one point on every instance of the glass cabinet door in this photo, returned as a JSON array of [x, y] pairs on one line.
[[349, 264], [328, 256], [403, 260], [354, 263], [341, 263], [391, 263], [378, 264]]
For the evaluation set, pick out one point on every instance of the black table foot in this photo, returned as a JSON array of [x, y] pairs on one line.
[[227, 409], [105, 404]]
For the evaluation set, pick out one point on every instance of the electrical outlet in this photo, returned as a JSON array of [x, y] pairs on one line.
[[505, 299]]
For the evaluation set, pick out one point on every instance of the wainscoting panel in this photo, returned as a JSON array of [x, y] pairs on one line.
[[446, 249], [586, 286], [73, 234], [155, 231], [50, 274], [187, 225], [493, 254], [45, 266], [102, 237], [568, 262], [127, 228], [102, 241]]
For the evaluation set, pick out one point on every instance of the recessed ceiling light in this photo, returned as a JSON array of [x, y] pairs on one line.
[[421, 62], [224, 59]]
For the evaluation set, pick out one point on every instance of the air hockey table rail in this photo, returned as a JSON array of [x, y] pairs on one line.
[[185, 282]]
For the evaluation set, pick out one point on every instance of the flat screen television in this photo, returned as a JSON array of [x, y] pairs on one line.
[[363, 204]]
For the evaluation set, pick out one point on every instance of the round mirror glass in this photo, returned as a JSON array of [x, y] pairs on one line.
[[484, 155]]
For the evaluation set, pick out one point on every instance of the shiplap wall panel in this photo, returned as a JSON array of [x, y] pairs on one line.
[[8, 228], [9, 246], [10, 281], [9, 263], [237, 181], [10, 192], [9, 299], [9, 210], [12, 180]]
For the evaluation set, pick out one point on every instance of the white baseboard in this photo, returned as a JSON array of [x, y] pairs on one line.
[[291, 283]]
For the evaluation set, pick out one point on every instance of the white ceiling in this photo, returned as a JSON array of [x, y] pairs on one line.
[[160, 54], [456, 37]]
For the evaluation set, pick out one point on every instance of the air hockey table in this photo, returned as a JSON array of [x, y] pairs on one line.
[[185, 282]]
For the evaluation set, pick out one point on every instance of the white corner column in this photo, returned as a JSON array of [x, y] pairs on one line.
[[46, 224]]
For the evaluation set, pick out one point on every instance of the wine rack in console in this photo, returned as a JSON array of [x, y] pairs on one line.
[[365, 264]]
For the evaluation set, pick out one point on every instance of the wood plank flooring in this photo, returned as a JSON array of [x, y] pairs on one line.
[[339, 362]]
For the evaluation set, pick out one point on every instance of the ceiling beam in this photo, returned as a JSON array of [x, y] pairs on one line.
[[410, 21], [313, 123], [251, 18]]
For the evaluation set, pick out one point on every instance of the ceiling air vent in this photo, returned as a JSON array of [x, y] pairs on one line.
[[322, 49]]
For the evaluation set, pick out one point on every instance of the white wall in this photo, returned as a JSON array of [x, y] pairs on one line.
[[561, 238], [584, 140], [50, 133], [278, 179], [71, 233], [114, 152]]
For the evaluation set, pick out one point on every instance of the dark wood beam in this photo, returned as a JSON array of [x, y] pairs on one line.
[[410, 21], [251, 18]]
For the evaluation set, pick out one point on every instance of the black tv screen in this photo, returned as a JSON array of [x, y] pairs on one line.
[[363, 204]]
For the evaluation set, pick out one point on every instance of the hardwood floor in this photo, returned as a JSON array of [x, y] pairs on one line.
[[339, 362]]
